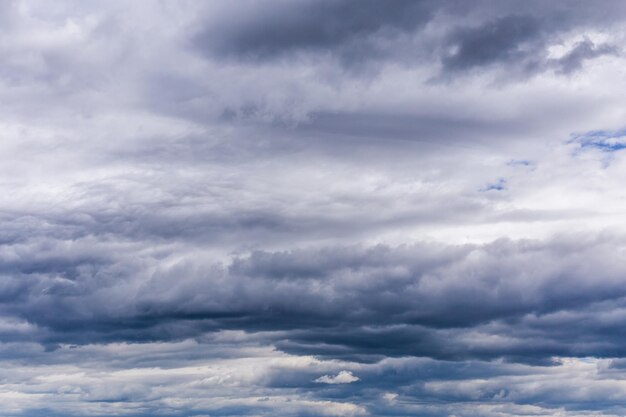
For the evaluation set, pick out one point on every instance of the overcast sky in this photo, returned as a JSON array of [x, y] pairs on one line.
[[308, 208]]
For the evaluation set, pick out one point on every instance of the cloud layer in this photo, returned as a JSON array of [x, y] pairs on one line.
[[308, 208]]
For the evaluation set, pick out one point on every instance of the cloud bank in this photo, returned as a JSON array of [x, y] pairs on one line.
[[338, 208]]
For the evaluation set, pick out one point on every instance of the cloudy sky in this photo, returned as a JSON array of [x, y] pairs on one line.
[[312, 208]]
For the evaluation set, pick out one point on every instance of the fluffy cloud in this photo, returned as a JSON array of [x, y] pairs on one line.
[[343, 377]]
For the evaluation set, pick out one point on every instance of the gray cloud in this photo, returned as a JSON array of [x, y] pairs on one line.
[[226, 208], [354, 303], [583, 51], [267, 31], [509, 39]]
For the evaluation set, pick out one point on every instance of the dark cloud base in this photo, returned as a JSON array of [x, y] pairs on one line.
[[345, 302]]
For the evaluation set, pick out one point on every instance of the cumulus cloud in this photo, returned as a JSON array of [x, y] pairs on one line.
[[343, 377]]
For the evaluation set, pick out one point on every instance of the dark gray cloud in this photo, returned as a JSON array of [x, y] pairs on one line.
[[510, 36], [582, 51], [507, 39], [339, 302], [519, 43], [266, 31]]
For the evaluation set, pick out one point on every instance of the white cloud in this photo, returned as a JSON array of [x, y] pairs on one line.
[[343, 377], [390, 396]]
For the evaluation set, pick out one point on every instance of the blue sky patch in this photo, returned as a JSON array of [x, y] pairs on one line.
[[603, 140], [498, 185]]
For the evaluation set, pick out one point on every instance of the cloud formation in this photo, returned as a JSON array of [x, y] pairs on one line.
[[343, 377], [267, 30], [308, 208]]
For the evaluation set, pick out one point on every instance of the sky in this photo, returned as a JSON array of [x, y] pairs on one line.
[[309, 208]]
